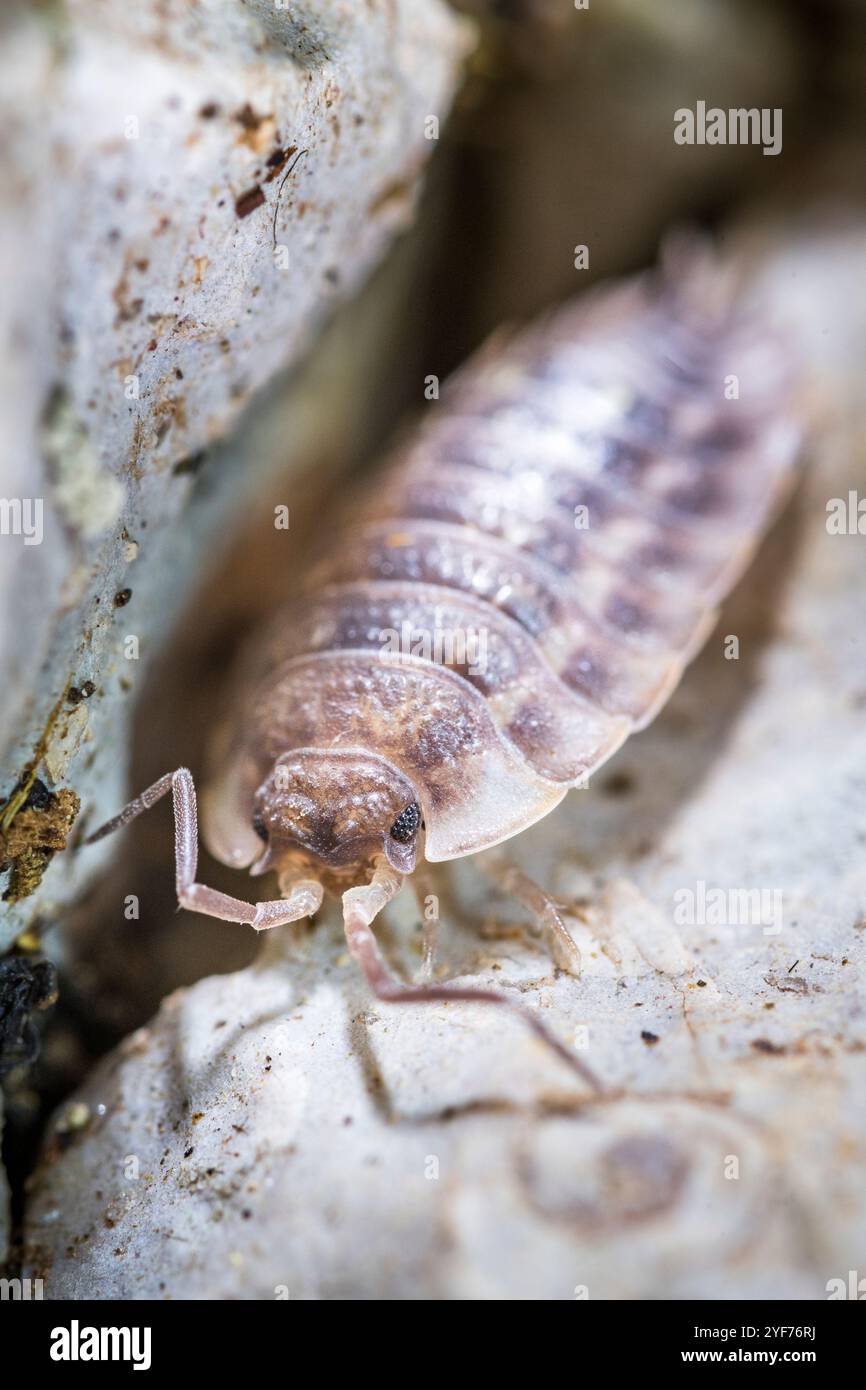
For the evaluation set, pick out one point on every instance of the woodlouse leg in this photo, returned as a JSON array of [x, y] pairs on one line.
[[422, 885], [360, 907], [546, 912], [304, 900]]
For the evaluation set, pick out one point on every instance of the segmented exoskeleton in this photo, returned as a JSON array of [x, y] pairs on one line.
[[564, 523]]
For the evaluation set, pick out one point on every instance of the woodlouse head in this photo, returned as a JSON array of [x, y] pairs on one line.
[[335, 812]]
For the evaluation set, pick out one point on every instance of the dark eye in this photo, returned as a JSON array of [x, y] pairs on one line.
[[260, 828], [406, 824]]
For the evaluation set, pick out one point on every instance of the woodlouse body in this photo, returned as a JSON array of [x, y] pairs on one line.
[[581, 499]]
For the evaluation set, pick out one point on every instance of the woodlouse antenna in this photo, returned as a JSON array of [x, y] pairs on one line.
[[362, 905], [303, 900]]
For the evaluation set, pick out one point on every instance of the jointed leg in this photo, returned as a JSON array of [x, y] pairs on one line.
[[428, 906], [360, 906], [305, 898], [545, 911]]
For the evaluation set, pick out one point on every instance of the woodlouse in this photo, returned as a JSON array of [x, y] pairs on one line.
[[583, 497]]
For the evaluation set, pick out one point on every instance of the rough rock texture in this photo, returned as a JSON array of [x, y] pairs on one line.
[[203, 182], [273, 1133]]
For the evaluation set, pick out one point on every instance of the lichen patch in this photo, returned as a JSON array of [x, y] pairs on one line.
[[38, 831]]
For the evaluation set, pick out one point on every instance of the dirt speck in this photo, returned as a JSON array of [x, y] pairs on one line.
[[771, 1049], [249, 201], [277, 161], [75, 694], [257, 132]]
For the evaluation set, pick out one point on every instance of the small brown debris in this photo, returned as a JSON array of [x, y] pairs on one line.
[[247, 117], [649, 1038], [277, 161], [249, 201], [258, 131], [75, 694]]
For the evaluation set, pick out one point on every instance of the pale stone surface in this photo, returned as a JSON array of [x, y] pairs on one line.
[[158, 274], [274, 1132]]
